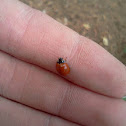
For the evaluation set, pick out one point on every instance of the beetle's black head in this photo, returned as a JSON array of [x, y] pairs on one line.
[[60, 60]]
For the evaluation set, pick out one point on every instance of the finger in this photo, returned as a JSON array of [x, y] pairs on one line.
[[42, 90], [36, 38], [15, 114]]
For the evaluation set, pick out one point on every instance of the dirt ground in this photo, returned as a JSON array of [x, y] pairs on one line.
[[103, 21]]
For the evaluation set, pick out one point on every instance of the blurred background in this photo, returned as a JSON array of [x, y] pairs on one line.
[[103, 21]]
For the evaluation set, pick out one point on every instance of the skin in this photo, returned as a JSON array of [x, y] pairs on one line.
[[33, 93]]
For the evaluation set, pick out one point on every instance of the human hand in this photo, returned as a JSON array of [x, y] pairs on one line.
[[33, 93]]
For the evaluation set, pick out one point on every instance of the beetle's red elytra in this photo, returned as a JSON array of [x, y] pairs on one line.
[[62, 67]]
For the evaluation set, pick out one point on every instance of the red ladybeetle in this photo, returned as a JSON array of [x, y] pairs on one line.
[[62, 67]]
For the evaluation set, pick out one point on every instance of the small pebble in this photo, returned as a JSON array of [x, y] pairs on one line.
[[105, 41], [86, 26], [44, 11], [65, 21]]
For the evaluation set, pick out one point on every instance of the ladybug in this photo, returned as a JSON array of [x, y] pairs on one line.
[[62, 67]]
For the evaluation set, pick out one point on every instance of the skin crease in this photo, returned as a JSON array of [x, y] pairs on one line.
[[29, 46]]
